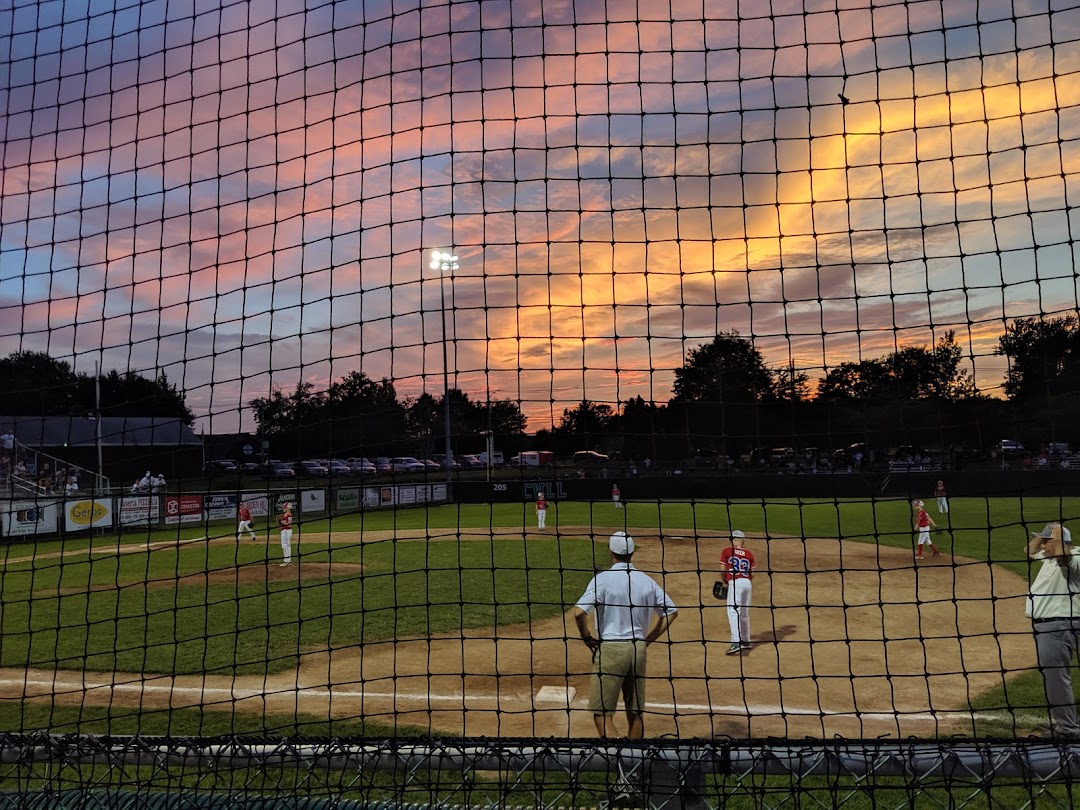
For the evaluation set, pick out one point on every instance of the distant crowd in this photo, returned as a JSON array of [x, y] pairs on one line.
[[19, 467]]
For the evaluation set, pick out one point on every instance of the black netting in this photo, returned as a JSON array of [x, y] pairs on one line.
[[338, 340]]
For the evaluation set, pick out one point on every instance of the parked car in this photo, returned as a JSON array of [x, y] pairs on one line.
[[220, 466], [311, 468], [249, 467], [278, 469], [533, 458], [1010, 447], [406, 464], [470, 462], [383, 465], [440, 459], [431, 465], [337, 467], [584, 457], [361, 466]]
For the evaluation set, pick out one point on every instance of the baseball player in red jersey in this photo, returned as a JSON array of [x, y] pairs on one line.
[[245, 522], [737, 563], [923, 524], [942, 499], [541, 511], [616, 496], [285, 522]]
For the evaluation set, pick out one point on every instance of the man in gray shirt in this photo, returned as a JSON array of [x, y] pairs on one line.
[[1053, 605], [625, 601]]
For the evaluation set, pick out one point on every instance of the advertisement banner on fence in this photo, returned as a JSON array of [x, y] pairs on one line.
[[372, 497], [386, 496], [29, 517], [221, 507], [183, 509], [139, 510], [88, 513], [348, 500], [406, 495], [314, 500], [438, 492], [423, 493], [282, 498], [259, 504]]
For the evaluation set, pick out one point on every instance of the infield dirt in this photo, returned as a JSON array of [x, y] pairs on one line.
[[850, 639]]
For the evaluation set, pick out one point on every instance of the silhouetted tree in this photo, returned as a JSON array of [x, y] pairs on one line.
[[729, 369], [909, 373], [34, 384], [1044, 356], [791, 385], [131, 394]]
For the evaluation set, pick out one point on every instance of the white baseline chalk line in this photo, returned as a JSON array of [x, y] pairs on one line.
[[239, 693]]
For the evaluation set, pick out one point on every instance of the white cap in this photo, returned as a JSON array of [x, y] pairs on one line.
[[738, 534], [621, 544]]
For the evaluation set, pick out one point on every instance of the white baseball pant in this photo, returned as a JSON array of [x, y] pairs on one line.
[[245, 526], [286, 544], [740, 591], [943, 505], [541, 518]]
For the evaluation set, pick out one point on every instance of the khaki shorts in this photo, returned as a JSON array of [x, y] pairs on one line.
[[618, 667]]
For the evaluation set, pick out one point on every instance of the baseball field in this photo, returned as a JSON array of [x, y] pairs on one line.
[[452, 620]]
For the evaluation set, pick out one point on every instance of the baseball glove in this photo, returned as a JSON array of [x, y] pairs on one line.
[[719, 590]]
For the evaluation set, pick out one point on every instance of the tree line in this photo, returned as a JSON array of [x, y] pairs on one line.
[[726, 399], [35, 384]]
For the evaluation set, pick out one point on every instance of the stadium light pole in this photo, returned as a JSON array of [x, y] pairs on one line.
[[445, 262]]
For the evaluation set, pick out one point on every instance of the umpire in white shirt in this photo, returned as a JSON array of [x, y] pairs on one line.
[[624, 600], [1053, 605]]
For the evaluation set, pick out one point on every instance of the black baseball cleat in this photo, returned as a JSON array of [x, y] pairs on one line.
[[734, 649]]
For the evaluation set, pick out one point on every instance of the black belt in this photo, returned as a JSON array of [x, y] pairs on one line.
[[1057, 619]]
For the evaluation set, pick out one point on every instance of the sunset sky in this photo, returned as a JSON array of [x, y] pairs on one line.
[[245, 196]]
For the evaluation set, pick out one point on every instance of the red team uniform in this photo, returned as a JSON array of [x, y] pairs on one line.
[[286, 523], [541, 512], [245, 523], [923, 523], [738, 564]]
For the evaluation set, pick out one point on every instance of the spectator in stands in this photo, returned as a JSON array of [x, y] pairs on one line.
[[20, 469], [143, 484], [858, 460], [157, 483], [71, 489]]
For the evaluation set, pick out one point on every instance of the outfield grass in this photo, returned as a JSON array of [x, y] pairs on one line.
[[96, 610]]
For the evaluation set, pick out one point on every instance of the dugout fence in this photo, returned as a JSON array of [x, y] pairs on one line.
[[91, 772], [835, 238]]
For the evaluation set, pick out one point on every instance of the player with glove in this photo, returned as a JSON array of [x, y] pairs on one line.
[[736, 589]]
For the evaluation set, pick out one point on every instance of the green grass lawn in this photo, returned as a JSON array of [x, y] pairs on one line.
[[95, 610]]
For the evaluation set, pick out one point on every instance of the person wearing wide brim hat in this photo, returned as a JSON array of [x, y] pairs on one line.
[[1053, 605]]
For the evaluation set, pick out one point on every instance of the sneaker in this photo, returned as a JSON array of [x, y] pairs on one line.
[[937, 553], [918, 558], [285, 565], [746, 645], [734, 649]]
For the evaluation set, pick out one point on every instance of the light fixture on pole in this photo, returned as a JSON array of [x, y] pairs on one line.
[[445, 262]]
